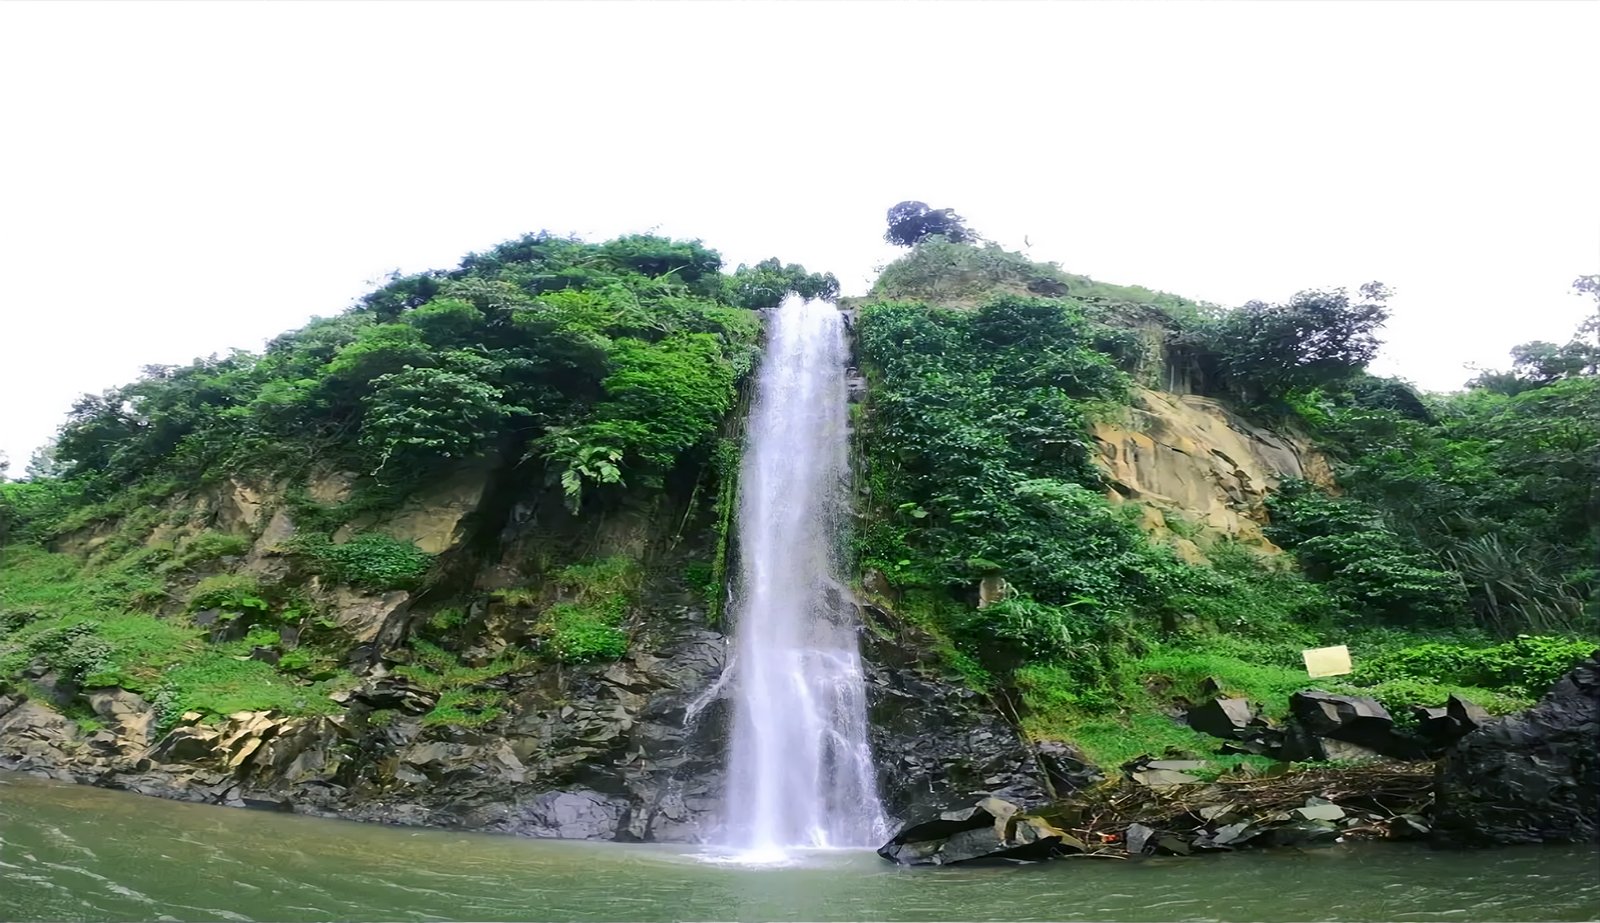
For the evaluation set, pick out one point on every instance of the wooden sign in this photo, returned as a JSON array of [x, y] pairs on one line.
[[1327, 661]]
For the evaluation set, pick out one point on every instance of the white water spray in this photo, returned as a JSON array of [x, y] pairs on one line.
[[800, 772]]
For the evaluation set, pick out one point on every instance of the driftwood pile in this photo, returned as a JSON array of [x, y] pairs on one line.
[[1159, 809], [1128, 817]]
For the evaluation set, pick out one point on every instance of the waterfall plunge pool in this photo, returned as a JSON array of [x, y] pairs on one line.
[[78, 853]]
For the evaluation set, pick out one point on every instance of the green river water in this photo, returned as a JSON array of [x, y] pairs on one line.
[[78, 853]]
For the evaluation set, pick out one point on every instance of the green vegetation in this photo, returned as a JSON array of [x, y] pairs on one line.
[[1462, 517], [596, 369], [605, 364], [205, 548], [370, 560], [588, 623], [462, 698], [56, 611], [1458, 554]]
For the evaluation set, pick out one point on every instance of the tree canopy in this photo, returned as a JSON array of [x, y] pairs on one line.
[[910, 222], [568, 352]]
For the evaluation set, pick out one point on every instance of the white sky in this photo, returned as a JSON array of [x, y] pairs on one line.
[[182, 178]]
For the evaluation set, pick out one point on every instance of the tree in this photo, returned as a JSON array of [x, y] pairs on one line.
[[1539, 363], [910, 222], [1263, 350]]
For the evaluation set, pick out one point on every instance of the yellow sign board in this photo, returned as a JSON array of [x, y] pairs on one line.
[[1327, 661]]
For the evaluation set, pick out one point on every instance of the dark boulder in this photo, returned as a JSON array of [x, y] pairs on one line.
[[579, 815], [1342, 717], [1227, 718], [1467, 715], [1531, 777], [1065, 767], [1349, 719], [990, 829], [1443, 726]]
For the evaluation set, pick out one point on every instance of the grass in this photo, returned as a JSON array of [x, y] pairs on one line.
[[588, 623], [1122, 717], [466, 708], [217, 682], [54, 608], [437, 670], [204, 548]]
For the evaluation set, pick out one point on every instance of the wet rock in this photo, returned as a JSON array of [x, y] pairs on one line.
[[1530, 777], [1304, 833], [579, 815], [1409, 827], [939, 745], [1065, 767], [126, 713], [991, 829], [1228, 718]]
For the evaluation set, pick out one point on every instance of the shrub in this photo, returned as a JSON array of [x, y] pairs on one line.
[[206, 547], [370, 560], [235, 593], [588, 625]]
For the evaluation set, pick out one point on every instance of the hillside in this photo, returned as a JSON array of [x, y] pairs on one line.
[[458, 555]]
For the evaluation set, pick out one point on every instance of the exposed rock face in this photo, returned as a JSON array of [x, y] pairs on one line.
[[36, 738], [1531, 777], [433, 518], [938, 744], [631, 750], [1190, 454], [126, 715]]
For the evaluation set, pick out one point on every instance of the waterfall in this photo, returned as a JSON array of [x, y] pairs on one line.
[[800, 771]]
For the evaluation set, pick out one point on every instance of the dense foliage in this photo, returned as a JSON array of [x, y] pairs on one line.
[[603, 363], [1458, 519]]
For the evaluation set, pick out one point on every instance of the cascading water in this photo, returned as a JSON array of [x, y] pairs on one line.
[[800, 770]]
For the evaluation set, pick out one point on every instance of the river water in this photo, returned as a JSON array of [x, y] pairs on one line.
[[79, 853]]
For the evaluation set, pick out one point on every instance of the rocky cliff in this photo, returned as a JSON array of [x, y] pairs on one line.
[[1192, 459], [628, 749]]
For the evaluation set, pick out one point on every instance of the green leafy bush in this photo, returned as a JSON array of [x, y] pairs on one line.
[[229, 592], [206, 547], [587, 624], [370, 560], [1525, 666]]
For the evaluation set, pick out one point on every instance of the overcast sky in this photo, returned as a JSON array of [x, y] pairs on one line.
[[179, 179]]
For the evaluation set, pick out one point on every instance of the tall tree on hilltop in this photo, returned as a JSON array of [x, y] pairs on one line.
[[911, 221]]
